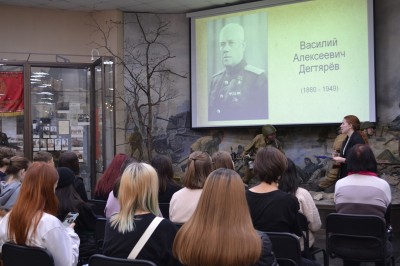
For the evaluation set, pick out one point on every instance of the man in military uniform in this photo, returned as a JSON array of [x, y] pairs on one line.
[[135, 141], [368, 128], [240, 90], [209, 144], [266, 138]]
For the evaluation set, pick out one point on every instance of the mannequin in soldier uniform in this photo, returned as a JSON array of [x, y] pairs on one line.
[[368, 128], [266, 138], [240, 90]]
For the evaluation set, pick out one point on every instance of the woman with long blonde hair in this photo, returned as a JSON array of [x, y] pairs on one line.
[[138, 198], [221, 232], [32, 220]]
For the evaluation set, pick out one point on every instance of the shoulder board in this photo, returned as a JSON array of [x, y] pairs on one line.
[[254, 69]]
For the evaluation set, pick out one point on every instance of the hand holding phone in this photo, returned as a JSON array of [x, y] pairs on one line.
[[70, 218]]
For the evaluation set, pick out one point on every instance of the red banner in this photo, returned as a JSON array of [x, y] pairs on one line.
[[11, 93]]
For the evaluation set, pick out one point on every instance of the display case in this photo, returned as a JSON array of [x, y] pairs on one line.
[[61, 107]]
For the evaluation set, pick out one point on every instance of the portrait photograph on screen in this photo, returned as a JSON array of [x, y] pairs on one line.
[[308, 62], [237, 64]]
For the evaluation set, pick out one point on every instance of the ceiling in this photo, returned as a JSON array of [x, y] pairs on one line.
[[152, 6]]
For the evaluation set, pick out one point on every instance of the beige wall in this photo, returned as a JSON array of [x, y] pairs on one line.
[[49, 31], [40, 34]]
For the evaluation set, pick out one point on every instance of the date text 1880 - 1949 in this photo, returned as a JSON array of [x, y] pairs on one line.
[[328, 88]]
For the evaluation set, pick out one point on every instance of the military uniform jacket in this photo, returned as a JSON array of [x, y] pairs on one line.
[[258, 143], [238, 93]]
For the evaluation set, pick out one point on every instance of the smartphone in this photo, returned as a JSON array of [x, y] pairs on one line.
[[70, 218]]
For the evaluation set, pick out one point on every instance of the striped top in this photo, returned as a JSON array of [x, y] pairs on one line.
[[362, 194]]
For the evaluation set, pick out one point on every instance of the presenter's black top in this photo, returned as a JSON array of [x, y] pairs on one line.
[[348, 143], [238, 93]]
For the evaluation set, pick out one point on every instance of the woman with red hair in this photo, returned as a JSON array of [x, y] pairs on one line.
[[107, 180], [32, 220]]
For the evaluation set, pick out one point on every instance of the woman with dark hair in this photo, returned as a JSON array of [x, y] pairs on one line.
[[9, 190], [222, 159], [70, 201], [220, 232], [362, 191], [165, 172], [351, 127], [32, 220], [106, 182], [70, 159], [272, 209], [290, 183], [373, 193], [5, 153], [184, 202]]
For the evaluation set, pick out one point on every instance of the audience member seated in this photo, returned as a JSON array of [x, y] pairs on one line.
[[362, 191], [70, 159], [112, 205], [43, 156], [165, 172], [290, 183], [184, 201], [5, 153], [70, 201], [222, 159], [106, 182], [9, 190], [220, 232], [32, 220], [138, 197], [270, 208]]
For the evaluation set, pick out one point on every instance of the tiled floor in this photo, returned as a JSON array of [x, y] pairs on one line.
[[320, 242]]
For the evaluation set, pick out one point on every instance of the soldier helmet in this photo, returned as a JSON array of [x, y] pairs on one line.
[[365, 125], [268, 130]]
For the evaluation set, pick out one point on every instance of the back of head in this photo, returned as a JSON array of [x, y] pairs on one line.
[[354, 121], [222, 159], [361, 159], [138, 191], [110, 175], [36, 196], [199, 166], [268, 130], [42, 156], [69, 159], [6, 153], [289, 181], [65, 177], [69, 199], [16, 164], [269, 164], [222, 210], [163, 166]]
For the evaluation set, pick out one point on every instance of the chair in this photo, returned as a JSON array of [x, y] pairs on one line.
[[98, 206], [101, 260], [308, 252], [13, 254], [359, 238], [164, 208], [99, 229], [286, 247]]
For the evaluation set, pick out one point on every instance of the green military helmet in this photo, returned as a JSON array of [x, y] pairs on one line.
[[268, 130], [365, 125]]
